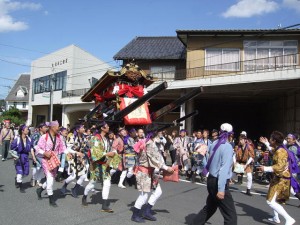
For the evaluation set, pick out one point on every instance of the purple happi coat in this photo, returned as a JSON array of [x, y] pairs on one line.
[[22, 164]]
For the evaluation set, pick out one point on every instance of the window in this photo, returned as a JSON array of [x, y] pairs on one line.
[[261, 55], [42, 84], [224, 59], [163, 72], [24, 105], [15, 104]]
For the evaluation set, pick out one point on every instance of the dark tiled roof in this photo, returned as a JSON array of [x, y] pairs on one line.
[[242, 31], [23, 84], [152, 48]]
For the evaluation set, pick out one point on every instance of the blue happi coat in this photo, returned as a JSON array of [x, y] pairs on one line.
[[22, 164]]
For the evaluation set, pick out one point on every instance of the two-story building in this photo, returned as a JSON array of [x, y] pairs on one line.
[[251, 78], [71, 71], [19, 95]]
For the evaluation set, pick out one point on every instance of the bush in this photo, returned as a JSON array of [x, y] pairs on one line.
[[14, 115]]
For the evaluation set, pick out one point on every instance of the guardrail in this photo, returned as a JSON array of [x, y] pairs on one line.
[[74, 93]]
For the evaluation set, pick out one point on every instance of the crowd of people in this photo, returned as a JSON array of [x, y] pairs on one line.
[[136, 158]]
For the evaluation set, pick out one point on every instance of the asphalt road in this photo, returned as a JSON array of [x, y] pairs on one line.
[[178, 205]]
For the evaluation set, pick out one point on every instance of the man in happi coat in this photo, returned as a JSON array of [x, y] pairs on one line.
[[101, 161], [118, 146], [279, 190], [245, 156], [50, 145], [76, 144], [150, 161], [37, 171], [181, 144]]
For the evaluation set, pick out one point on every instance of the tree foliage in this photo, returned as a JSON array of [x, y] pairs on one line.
[[14, 115]]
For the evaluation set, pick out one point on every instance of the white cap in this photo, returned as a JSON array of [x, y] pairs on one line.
[[244, 133], [226, 127]]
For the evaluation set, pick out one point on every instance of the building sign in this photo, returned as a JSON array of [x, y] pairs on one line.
[[61, 62], [46, 94]]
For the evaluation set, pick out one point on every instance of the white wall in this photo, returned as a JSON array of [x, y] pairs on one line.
[[19, 106]]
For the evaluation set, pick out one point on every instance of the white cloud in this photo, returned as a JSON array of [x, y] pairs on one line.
[[249, 8], [46, 13], [7, 22], [293, 4]]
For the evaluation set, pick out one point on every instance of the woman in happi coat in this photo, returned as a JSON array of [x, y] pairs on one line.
[[22, 145], [150, 161], [279, 190], [76, 145], [50, 145]]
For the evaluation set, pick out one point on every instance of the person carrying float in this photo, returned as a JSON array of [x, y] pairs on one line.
[[101, 161], [48, 148], [76, 147], [150, 162]]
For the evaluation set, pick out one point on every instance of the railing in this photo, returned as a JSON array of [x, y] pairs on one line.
[[233, 68], [74, 93]]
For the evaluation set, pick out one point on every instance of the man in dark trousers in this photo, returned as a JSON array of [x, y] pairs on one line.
[[219, 167]]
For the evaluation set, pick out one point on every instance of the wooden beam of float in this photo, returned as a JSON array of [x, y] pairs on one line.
[[173, 105], [119, 115], [175, 122]]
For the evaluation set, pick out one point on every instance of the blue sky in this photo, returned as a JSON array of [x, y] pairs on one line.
[[30, 29]]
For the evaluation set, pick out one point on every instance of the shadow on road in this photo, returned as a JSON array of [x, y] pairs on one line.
[[189, 219], [1, 190], [257, 214]]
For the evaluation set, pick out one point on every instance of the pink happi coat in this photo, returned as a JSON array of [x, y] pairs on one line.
[[45, 145]]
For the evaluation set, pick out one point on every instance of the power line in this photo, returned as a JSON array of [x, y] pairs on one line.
[[114, 67], [41, 52], [5, 78]]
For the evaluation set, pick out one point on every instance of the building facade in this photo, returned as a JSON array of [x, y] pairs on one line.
[[70, 72]]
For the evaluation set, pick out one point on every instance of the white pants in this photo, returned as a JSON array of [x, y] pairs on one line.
[[105, 189], [122, 177], [130, 172], [249, 180], [143, 196], [48, 185], [278, 209], [19, 178], [37, 173], [73, 177]]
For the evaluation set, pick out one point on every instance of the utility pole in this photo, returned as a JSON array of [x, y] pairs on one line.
[[52, 79]]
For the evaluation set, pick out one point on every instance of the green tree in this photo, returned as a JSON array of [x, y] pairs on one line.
[[14, 115]]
